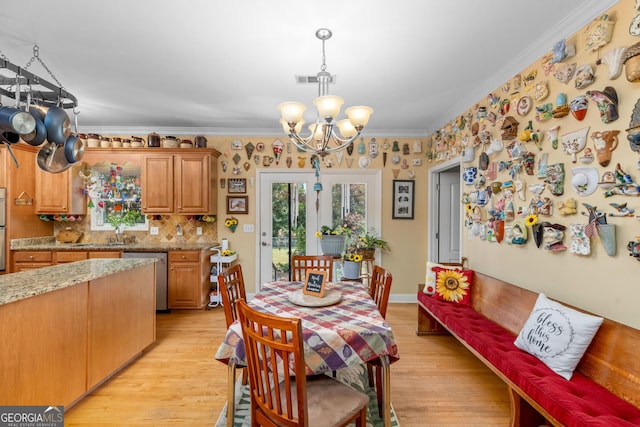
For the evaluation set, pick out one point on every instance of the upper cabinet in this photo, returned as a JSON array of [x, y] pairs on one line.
[[60, 193], [180, 183]]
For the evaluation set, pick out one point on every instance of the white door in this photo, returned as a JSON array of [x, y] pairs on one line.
[[444, 242], [449, 216], [291, 211]]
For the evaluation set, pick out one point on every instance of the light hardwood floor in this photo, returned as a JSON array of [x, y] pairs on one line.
[[177, 381]]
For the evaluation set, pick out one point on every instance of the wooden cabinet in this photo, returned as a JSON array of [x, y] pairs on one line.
[[188, 280], [62, 257], [29, 260], [122, 309], [61, 344], [60, 193], [181, 183]]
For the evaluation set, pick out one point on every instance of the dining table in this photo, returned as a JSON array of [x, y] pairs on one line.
[[348, 332]]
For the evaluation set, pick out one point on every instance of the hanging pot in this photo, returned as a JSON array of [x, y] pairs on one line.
[[16, 121], [73, 149], [52, 159], [38, 136], [58, 125]]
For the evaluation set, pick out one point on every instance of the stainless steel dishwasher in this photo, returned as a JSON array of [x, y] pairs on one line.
[[161, 275]]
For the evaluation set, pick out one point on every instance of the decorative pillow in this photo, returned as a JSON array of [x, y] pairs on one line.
[[430, 279], [453, 285], [557, 335]]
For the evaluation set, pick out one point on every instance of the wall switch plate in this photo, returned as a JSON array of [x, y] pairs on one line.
[[248, 228], [153, 231], [199, 231]]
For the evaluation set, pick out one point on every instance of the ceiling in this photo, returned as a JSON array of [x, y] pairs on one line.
[[222, 67]]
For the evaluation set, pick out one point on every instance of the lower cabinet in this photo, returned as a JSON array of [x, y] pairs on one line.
[[62, 344], [188, 286], [29, 260]]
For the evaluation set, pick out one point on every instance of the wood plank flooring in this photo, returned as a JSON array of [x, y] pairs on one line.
[[177, 381]]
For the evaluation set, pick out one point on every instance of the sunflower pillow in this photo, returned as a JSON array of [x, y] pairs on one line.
[[430, 279], [453, 285]]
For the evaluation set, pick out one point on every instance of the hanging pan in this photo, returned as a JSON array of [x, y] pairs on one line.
[[51, 158], [58, 125]]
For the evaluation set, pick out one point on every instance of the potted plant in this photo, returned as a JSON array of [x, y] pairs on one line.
[[367, 244], [351, 262], [332, 239]]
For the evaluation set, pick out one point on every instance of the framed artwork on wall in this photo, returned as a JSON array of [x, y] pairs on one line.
[[403, 198], [237, 204], [237, 185]]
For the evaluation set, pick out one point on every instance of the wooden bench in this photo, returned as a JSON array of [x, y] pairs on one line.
[[604, 390]]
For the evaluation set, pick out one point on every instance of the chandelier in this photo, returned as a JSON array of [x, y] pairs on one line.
[[323, 138]]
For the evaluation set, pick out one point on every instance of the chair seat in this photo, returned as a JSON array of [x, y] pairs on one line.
[[329, 402]]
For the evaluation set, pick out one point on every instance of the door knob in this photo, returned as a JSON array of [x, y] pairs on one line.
[[265, 244]]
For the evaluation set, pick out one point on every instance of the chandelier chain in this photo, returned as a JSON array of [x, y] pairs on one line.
[[323, 67], [36, 55]]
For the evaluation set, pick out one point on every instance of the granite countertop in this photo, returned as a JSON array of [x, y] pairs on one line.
[[25, 284], [50, 243]]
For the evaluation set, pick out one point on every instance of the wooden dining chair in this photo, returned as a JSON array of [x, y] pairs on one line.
[[231, 287], [301, 263], [281, 393], [379, 289]]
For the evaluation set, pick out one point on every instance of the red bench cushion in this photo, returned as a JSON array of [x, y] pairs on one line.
[[575, 403]]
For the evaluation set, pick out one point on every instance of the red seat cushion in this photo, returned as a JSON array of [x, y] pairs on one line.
[[578, 402]]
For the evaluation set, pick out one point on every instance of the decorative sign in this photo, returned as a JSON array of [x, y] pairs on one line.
[[314, 283]]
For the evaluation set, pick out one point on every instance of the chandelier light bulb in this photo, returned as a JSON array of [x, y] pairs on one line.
[[328, 106], [359, 115], [292, 111], [347, 130], [287, 129]]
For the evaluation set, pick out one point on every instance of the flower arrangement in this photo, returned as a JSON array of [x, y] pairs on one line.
[[325, 230], [231, 223], [227, 252], [362, 247], [370, 241]]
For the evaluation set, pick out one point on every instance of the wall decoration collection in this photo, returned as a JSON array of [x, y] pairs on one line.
[[506, 141]]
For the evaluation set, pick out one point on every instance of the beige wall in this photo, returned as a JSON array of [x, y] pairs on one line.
[[407, 238], [609, 286]]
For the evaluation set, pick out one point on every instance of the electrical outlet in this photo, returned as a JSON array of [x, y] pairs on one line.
[[199, 231], [153, 231]]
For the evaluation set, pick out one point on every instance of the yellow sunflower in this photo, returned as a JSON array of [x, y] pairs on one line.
[[319, 234], [531, 219], [451, 285], [469, 208]]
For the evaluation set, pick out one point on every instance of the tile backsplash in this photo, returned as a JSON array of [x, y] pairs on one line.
[[167, 230]]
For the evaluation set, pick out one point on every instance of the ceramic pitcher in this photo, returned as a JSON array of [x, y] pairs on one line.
[[605, 142]]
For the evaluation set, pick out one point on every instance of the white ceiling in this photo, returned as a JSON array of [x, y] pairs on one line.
[[222, 67]]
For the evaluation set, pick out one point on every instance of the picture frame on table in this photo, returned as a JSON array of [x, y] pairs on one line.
[[237, 204], [236, 185], [403, 198]]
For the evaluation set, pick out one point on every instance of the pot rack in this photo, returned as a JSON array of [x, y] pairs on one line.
[[24, 86]]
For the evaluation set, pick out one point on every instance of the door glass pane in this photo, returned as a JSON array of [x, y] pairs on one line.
[[289, 223], [348, 208]]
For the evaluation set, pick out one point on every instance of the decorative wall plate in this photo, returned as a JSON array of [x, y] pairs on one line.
[[524, 105]]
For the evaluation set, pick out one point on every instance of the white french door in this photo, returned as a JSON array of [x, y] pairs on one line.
[[291, 211]]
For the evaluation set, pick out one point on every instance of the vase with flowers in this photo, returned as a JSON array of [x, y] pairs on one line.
[[351, 261], [332, 240]]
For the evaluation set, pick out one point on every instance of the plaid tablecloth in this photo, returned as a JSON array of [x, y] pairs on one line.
[[349, 333]]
